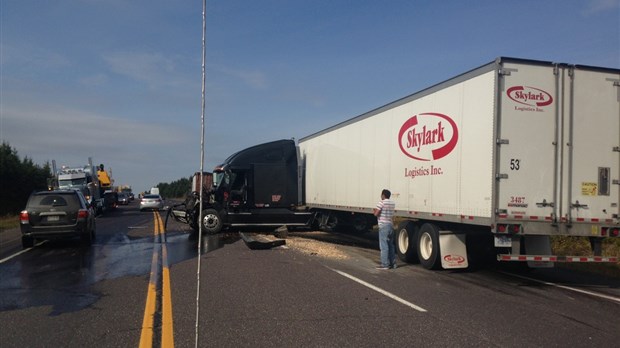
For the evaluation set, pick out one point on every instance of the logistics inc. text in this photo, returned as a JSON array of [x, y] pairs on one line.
[[423, 171]]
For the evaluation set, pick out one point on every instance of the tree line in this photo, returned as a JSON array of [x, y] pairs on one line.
[[176, 189], [18, 179]]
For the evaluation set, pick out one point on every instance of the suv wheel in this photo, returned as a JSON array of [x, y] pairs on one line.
[[27, 242], [87, 238]]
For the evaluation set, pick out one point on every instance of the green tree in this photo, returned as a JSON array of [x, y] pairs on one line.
[[175, 189], [19, 178]]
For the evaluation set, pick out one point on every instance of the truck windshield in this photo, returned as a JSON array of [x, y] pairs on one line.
[[218, 177], [71, 182]]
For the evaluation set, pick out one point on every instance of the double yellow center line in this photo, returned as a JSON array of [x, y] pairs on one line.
[[158, 269]]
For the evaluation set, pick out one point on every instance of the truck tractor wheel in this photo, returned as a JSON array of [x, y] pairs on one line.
[[211, 221], [315, 224], [329, 222], [428, 246], [406, 241], [27, 242]]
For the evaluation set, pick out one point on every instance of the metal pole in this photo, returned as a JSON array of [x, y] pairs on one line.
[[202, 157]]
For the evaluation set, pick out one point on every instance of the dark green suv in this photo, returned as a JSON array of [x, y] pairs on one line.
[[57, 214]]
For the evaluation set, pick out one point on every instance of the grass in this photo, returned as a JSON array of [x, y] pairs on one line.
[[8, 222], [580, 246]]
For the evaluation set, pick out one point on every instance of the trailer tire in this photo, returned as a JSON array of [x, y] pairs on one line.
[[428, 246], [211, 221], [405, 241]]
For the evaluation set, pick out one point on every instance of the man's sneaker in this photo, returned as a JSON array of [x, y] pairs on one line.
[[382, 267], [393, 266]]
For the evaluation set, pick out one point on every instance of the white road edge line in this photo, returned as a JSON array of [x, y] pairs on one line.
[[21, 252], [595, 294], [379, 290]]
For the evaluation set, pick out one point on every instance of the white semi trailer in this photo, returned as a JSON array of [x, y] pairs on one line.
[[513, 152]]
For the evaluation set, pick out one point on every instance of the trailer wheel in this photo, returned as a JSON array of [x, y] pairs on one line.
[[405, 242], [211, 221], [428, 246]]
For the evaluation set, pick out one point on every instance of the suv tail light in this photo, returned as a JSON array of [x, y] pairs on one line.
[[82, 214], [23, 217]]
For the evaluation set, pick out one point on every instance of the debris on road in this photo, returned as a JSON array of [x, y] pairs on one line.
[[316, 248], [257, 241]]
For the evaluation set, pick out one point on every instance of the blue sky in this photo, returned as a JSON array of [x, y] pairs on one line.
[[120, 80]]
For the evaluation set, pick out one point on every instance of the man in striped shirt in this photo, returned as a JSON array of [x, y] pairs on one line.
[[384, 213]]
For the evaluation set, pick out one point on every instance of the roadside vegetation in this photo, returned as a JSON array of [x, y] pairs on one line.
[[580, 246], [18, 179], [176, 189], [8, 222]]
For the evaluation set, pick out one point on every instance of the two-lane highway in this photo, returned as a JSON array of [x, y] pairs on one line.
[[63, 294], [136, 286]]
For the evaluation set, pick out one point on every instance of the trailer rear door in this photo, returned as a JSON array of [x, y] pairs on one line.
[[592, 147], [527, 141]]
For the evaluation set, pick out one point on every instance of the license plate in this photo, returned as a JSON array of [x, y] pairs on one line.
[[53, 218], [503, 241]]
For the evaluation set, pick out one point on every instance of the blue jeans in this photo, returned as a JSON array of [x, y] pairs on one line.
[[386, 244]]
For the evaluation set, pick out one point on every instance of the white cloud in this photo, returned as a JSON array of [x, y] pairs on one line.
[[154, 69], [596, 6], [94, 80], [253, 79], [141, 153], [43, 131], [33, 57]]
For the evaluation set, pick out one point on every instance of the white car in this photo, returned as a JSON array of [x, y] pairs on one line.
[[154, 202]]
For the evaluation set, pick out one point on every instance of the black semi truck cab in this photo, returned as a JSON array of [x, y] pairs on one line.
[[257, 186]]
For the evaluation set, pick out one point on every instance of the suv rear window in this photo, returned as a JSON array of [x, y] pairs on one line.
[[69, 200]]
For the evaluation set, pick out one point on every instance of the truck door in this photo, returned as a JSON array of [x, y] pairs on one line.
[[273, 186], [527, 148], [592, 147]]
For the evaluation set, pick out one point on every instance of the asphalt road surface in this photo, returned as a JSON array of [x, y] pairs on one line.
[[137, 286]]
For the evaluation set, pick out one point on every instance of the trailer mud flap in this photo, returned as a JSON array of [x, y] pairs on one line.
[[538, 245], [453, 250], [261, 242]]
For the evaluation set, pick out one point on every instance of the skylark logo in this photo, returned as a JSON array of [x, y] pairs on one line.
[[428, 136], [529, 96]]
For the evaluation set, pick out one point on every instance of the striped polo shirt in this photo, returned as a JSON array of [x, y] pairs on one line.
[[387, 211]]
